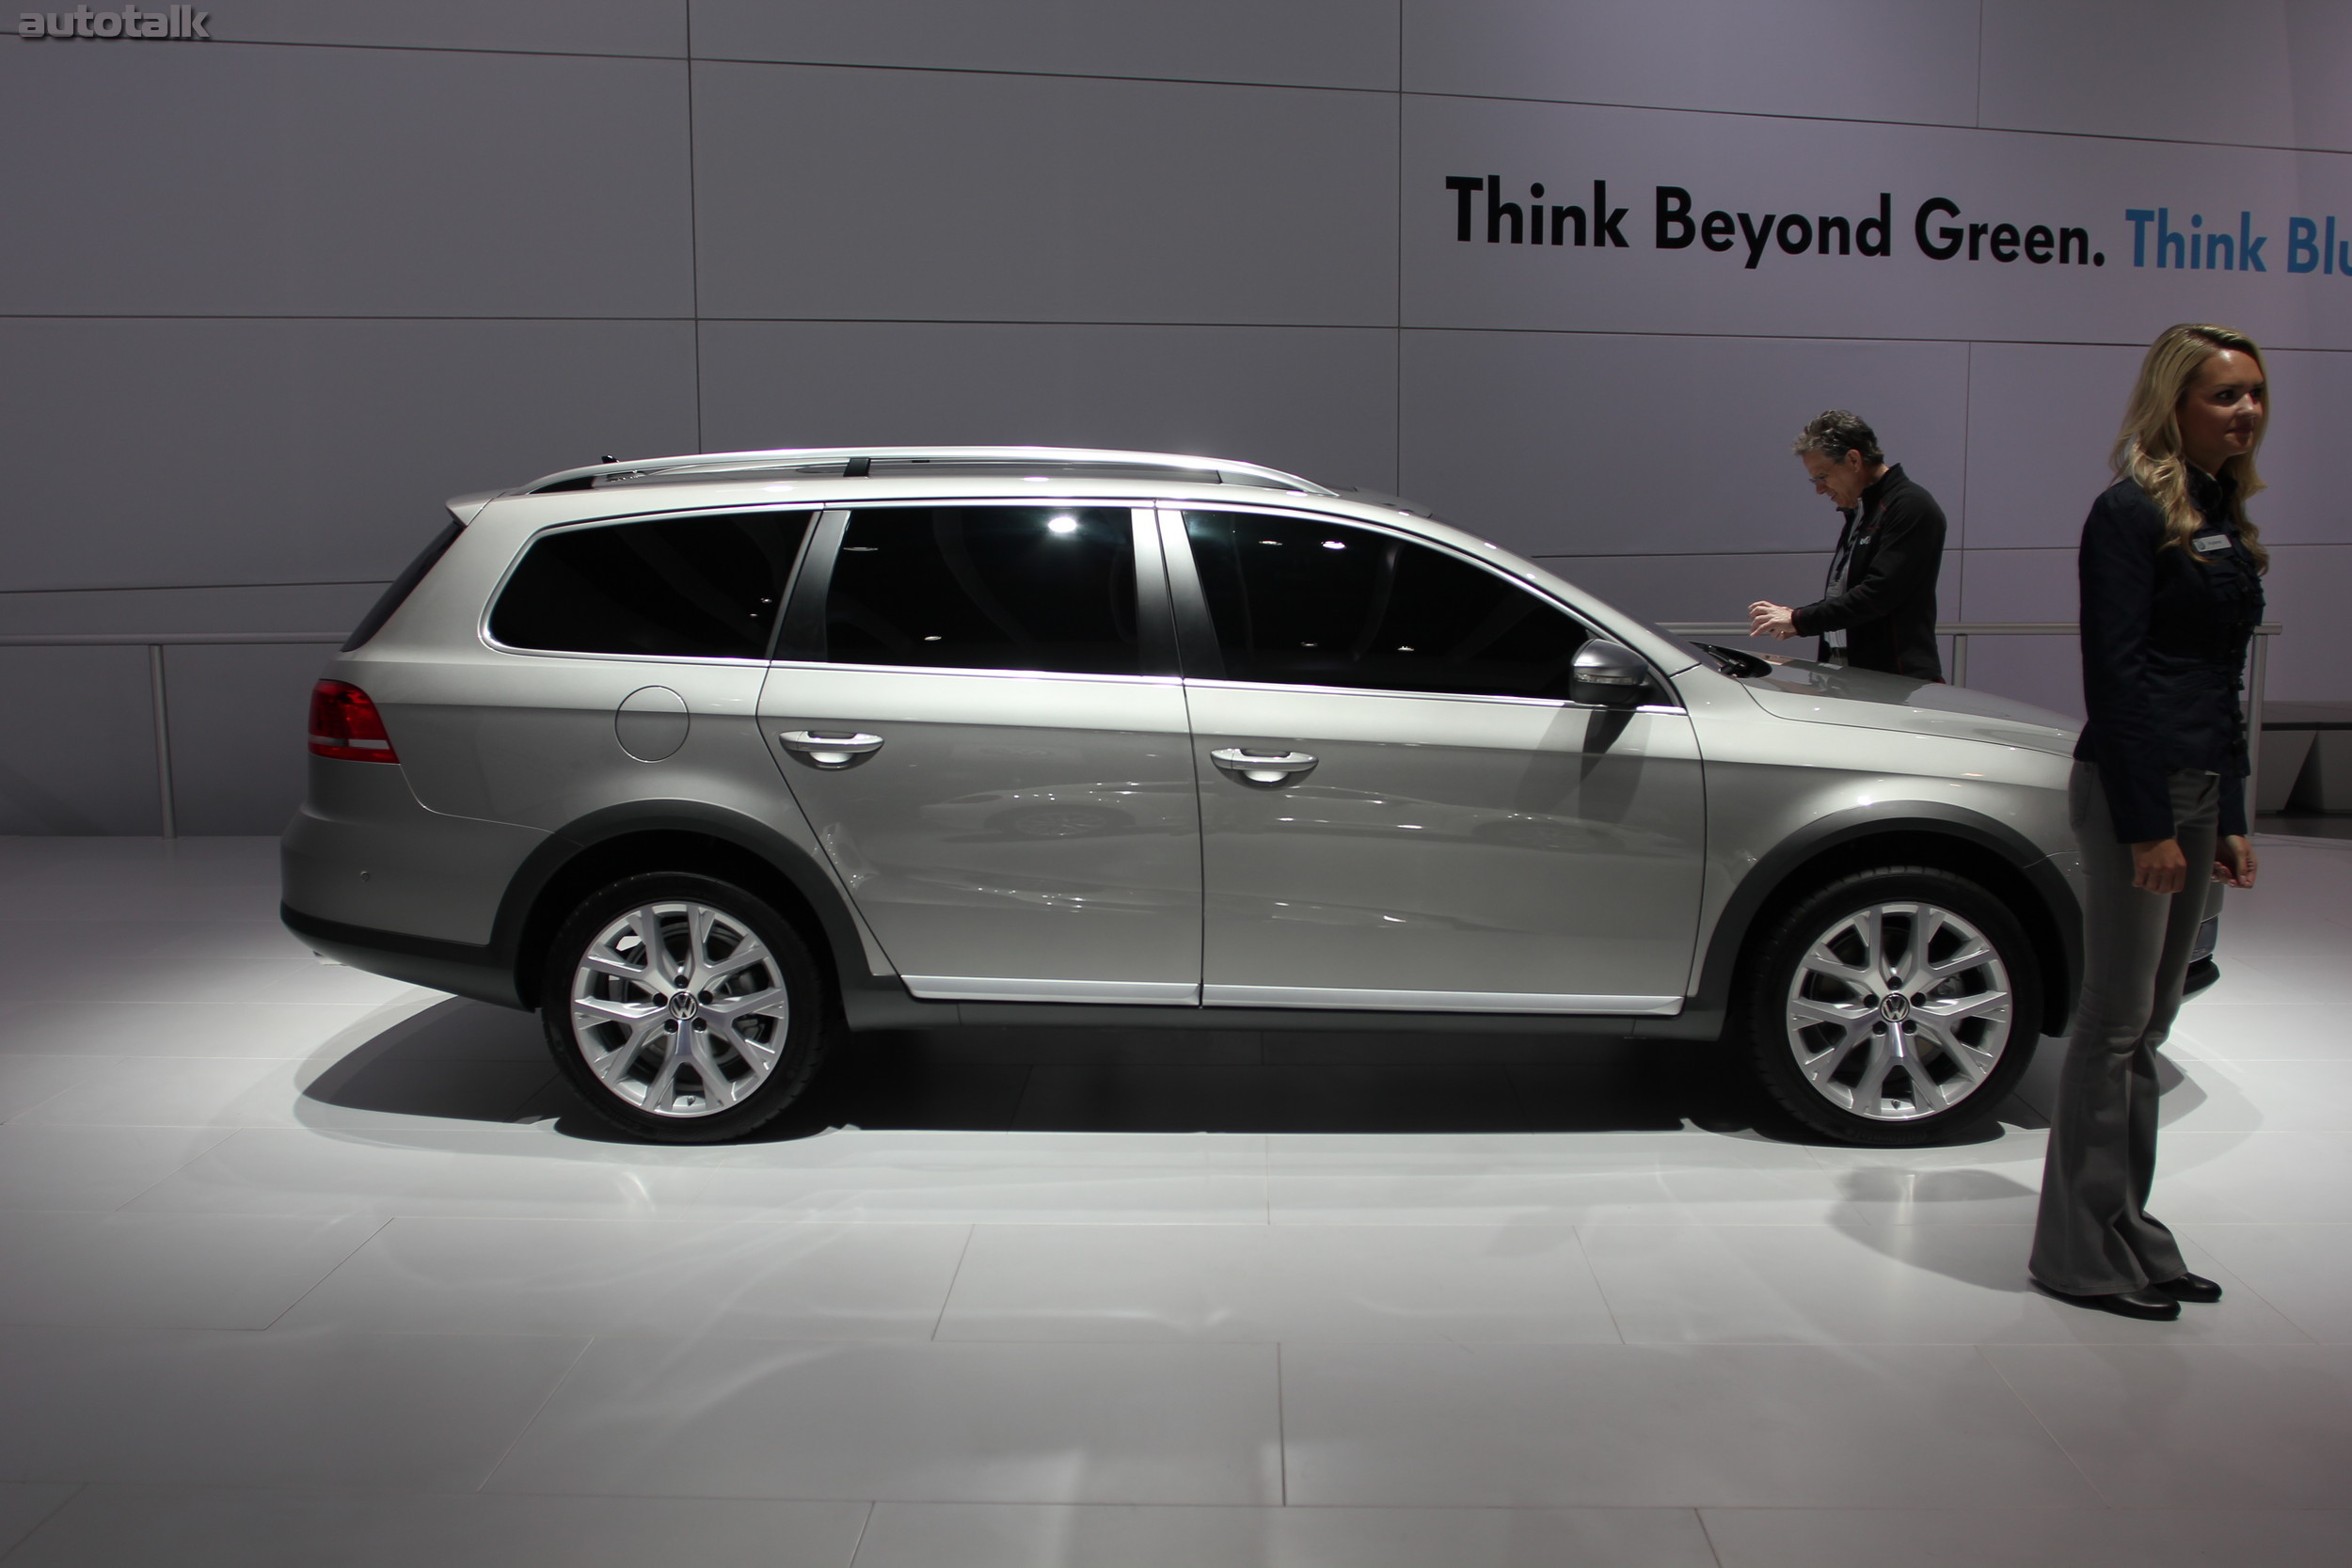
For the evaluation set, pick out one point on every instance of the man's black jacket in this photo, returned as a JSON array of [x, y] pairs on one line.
[[1887, 608], [2164, 629]]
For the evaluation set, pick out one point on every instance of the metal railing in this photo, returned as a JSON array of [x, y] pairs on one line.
[[155, 642], [2258, 665]]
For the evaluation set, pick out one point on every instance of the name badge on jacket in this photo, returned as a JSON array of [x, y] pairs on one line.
[[2209, 544]]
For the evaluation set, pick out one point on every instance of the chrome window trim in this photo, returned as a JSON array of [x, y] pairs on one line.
[[982, 673], [1220, 683], [1174, 529], [1214, 995], [983, 987]]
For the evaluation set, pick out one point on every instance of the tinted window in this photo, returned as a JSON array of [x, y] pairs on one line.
[[402, 586], [1318, 604], [681, 587], [986, 588]]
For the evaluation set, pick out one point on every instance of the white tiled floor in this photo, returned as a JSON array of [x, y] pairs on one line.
[[298, 1265]]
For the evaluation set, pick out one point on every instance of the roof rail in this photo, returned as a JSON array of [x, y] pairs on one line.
[[856, 460]]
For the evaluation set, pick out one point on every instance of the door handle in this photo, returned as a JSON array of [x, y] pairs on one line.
[[1261, 766], [830, 749]]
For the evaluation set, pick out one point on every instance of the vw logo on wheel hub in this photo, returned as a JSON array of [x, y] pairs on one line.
[[1896, 1006], [682, 1004]]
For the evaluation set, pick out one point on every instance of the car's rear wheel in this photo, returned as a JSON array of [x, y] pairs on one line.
[[684, 1009], [1897, 1005]]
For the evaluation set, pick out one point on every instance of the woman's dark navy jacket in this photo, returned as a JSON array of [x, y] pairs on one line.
[[2164, 632]]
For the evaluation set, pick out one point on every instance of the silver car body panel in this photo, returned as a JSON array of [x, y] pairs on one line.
[[945, 896], [362, 851], [1871, 700], [1438, 845], [1486, 807]]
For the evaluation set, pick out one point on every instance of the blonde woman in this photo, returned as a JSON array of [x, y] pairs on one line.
[[2171, 591]]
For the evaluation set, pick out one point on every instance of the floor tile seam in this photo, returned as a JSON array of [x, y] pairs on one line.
[[331, 1272], [865, 1524], [1707, 1535], [523, 1428], [74, 1490], [2044, 1427], [947, 1297], [15, 1119], [175, 1171], [1600, 1287], [1281, 1428]]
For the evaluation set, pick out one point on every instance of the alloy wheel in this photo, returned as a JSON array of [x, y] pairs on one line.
[[679, 1009], [1899, 1010]]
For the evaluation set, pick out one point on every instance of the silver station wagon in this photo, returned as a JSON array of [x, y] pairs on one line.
[[717, 760]]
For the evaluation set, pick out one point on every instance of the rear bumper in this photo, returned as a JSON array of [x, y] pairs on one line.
[[477, 972]]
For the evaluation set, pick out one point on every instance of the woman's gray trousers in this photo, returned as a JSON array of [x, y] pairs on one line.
[[2094, 1236]]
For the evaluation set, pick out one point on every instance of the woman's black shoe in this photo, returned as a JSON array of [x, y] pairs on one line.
[[2147, 1302], [2190, 1286]]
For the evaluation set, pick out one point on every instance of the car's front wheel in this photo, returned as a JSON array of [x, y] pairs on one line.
[[1896, 1006], [684, 1009]]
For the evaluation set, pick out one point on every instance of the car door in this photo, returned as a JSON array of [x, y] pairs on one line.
[[1400, 807], [977, 708]]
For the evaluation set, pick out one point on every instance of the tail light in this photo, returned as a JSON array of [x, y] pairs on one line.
[[344, 723]]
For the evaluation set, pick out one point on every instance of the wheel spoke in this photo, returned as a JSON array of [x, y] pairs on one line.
[[663, 1088], [1965, 1058], [613, 1067], [1926, 1093], [761, 1057], [1951, 1009], [732, 1007], [1968, 957], [1812, 1009], [1872, 1089], [1823, 962], [600, 1010], [606, 963], [1822, 1068], [718, 1088]]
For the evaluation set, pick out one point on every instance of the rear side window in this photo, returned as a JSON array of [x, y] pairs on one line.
[[986, 588], [1301, 603], [668, 586]]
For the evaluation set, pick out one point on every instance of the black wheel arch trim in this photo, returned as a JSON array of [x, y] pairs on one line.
[[503, 971], [2055, 927], [523, 922]]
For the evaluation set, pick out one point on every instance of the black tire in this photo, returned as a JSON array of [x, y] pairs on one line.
[[760, 1052], [1881, 1063]]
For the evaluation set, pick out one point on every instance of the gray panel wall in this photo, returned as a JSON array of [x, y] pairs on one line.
[[267, 299]]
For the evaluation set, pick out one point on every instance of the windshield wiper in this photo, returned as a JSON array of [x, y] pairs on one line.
[[1734, 661]]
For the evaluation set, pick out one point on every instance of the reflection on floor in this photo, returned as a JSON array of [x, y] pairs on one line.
[[298, 1265]]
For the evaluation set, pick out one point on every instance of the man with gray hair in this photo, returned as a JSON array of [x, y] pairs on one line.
[[1878, 611]]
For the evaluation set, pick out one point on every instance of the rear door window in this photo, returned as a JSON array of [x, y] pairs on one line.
[[666, 587], [1300, 602], [986, 588]]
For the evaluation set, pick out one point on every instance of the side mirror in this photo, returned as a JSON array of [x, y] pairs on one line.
[[1608, 675]]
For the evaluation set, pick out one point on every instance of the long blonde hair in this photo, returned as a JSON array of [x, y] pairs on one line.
[[2148, 452]]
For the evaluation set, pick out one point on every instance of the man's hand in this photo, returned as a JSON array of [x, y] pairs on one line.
[[2233, 860], [2158, 865], [1767, 619]]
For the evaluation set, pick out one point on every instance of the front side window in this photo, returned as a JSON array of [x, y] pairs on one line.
[[986, 588], [1297, 602], [666, 587]]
